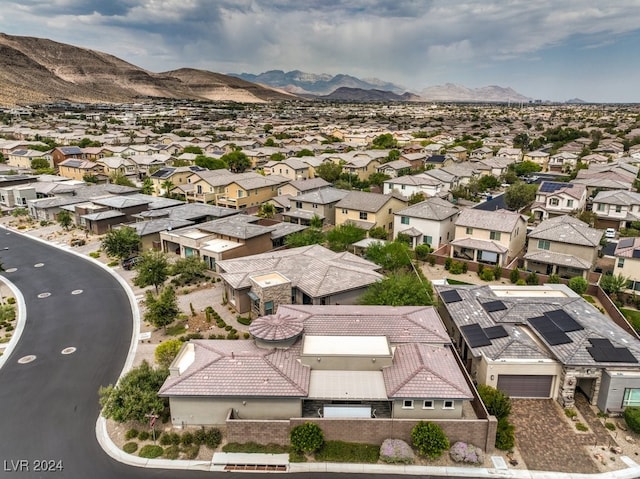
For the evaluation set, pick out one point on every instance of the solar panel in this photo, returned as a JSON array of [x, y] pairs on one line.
[[602, 350], [562, 319], [492, 306], [475, 335], [450, 296], [551, 186], [495, 332], [636, 253], [549, 331], [626, 242]]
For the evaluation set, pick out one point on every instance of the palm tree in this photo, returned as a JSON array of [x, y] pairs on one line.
[[167, 186]]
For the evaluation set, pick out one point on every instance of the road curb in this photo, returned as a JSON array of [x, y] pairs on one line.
[[21, 318]]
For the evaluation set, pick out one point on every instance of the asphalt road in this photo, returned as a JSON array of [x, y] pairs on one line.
[[49, 406]]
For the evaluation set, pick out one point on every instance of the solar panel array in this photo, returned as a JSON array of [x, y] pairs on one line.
[[475, 335], [562, 319], [603, 351], [493, 306], [553, 186], [495, 332], [450, 296], [626, 242], [551, 333]]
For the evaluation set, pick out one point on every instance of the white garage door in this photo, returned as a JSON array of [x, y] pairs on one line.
[[525, 386]]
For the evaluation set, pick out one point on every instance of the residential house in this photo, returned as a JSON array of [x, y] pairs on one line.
[[612, 176], [320, 203], [395, 168], [22, 159], [491, 237], [321, 363], [291, 168], [513, 154], [204, 186], [563, 161], [62, 153], [481, 153], [309, 274], [301, 187], [368, 210], [460, 152], [165, 180], [81, 169], [542, 342], [16, 196], [410, 185], [250, 189], [415, 159], [434, 161], [430, 222], [119, 166], [627, 262], [539, 157], [147, 164], [556, 198], [616, 209], [564, 246]]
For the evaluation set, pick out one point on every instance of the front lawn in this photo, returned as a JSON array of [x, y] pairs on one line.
[[633, 316]]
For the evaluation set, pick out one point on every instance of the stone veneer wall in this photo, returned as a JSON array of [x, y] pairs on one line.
[[480, 432]]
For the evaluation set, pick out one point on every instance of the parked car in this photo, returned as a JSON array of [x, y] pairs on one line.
[[610, 233], [129, 263]]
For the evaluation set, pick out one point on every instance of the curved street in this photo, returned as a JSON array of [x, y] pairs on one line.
[[76, 338]]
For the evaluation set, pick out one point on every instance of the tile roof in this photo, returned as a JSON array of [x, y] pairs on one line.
[[323, 196], [363, 201], [430, 209], [499, 220], [560, 259], [567, 229]]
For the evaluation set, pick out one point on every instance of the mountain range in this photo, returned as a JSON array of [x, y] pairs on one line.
[[37, 70]]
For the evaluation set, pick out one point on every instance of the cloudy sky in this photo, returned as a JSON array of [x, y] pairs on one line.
[[546, 49]]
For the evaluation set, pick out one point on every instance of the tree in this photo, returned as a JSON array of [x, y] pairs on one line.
[[589, 217], [417, 197], [578, 284], [329, 171], [237, 161], [378, 178], [267, 210], [315, 222], [277, 156], [196, 150], [525, 167], [391, 256], [189, 269], [64, 219], [429, 439], [167, 351], [147, 187], [121, 243], [343, 236], [304, 152], [305, 238], [384, 142], [520, 195], [161, 309], [399, 289], [210, 163], [488, 182], [307, 437], [120, 179], [497, 403], [153, 269], [611, 284], [378, 232], [135, 396], [40, 164], [167, 186]]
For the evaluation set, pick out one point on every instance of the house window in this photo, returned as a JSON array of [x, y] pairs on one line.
[[427, 404], [404, 220], [631, 397], [427, 240], [620, 262], [600, 207], [469, 230], [299, 205], [569, 203], [240, 193], [402, 187], [268, 308], [447, 404], [618, 208], [344, 211], [363, 215], [407, 404], [554, 201], [544, 244], [390, 210], [199, 189], [315, 206], [495, 235]]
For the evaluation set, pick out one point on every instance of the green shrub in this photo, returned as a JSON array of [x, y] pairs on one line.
[[191, 452], [578, 284], [505, 437], [496, 402], [348, 452], [429, 439], [570, 413], [632, 418], [610, 426], [188, 337], [172, 452], [246, 335], [113, 263], [151, 451], [422, 252], [130, 447], [254, 448], [532, 279], [514, 276], [186, 439], [521, 282], [581, 427], [487, 274], [480, 269], [447, 263], [497, 271], [432, 260], [95, 254], [144, 435], [212, 438], [166, 439], [554, 279], [456, 267], [131, 433], [11, 300], [307, 437], [244, 321], [465, 267]]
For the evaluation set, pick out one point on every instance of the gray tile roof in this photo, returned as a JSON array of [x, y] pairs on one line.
[[520, 309], [315, 270], [430, 209], [144, 228], [560, 259], [485, 245], [363, 201], [567, 229], [310, 184], [237, 226], [500, 220], [323, 196], [122, 201]]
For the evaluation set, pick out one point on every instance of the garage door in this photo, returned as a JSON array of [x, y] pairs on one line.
[[523, 386]]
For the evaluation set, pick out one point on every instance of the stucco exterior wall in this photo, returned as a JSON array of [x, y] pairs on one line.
[[437, 412]]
